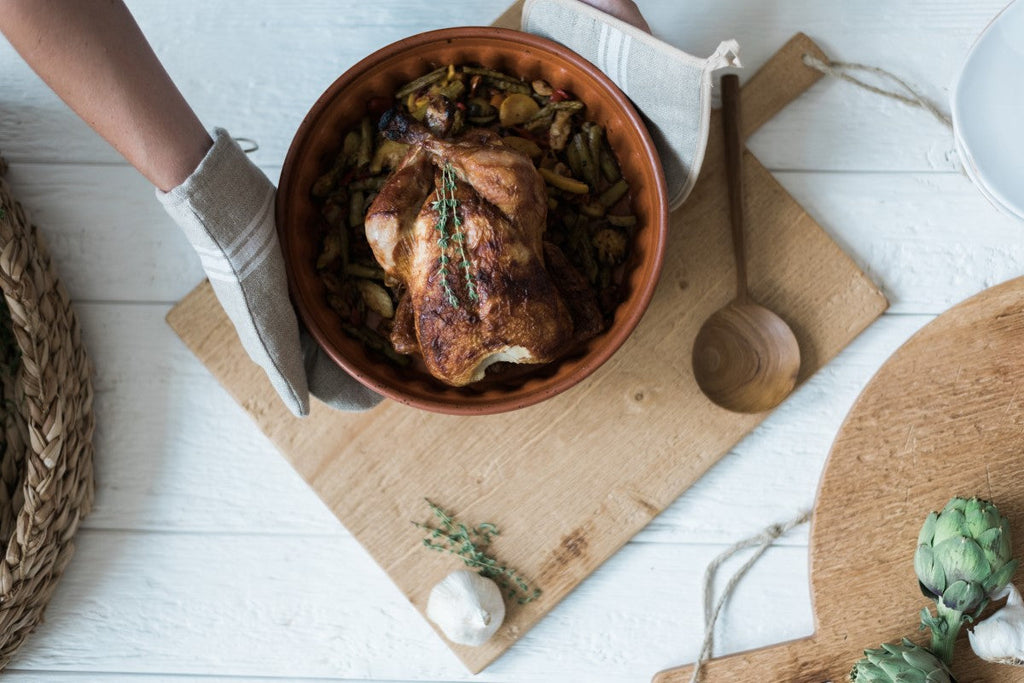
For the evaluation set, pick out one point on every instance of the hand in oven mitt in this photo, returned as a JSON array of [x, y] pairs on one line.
[[226, 209], [672, 89]]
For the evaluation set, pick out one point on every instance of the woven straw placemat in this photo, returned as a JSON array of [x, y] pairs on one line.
[[46, 426]]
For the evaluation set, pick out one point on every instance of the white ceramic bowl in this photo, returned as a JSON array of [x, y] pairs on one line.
[[988, 111]]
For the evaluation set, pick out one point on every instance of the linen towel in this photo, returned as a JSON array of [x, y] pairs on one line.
[[670, 88]]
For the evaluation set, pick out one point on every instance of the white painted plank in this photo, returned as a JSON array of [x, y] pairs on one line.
[[257, 67], [293, 607], [928, 240], [108, 235]]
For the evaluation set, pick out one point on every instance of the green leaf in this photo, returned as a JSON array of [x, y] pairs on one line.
[[1001, 577], [956, 503], [963, 596], [927, 533], [950, 524], [962, 559], [981, 516], [930, 574]]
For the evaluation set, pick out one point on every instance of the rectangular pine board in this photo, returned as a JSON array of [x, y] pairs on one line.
[[571, 480]]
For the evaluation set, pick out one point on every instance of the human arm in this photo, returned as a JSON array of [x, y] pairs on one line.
[[95, 57]]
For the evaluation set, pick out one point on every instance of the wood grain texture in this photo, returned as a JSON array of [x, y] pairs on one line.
[[893, 461], [551, 476]]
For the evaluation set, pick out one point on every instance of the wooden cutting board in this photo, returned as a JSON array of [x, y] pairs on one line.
[[943, 417], [571, 480]]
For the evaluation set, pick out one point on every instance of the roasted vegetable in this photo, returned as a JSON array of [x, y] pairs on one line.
[[516, 109], [564, 183], [387, 156], [558, 135], [376, 297], [611, 246]]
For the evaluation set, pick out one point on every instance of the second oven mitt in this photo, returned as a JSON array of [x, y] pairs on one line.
[[671, 88], [226, 210]]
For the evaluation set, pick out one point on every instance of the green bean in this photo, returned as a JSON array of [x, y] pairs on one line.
[[613, 194], [550, 108], [350, 149], [580, 241], [356, 209], [366, 135], [535, 124], [421, 82], [622, 221], [364, 271], [608, 165], [499, 80], [452, 89], [587, 168], [595, 134], [575, 163]]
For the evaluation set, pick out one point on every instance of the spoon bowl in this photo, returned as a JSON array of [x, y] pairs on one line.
[[745, 357]]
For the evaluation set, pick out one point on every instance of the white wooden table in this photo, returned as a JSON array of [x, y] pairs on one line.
[[207, 558]]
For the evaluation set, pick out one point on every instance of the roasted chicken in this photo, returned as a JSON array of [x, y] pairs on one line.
[[458, 228]]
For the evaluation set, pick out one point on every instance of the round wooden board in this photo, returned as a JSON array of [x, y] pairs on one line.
[[943, 417]]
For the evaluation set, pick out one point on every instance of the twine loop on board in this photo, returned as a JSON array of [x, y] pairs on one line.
[[762, 542], [248, 145], [912, 97]]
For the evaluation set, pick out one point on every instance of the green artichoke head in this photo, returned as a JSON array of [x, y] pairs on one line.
[[964, 555], [902, 663]]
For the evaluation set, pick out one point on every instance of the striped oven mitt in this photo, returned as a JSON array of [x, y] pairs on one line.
[[226, 210], [672, 89]]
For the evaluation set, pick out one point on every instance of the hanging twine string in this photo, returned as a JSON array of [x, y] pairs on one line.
[[912, 97], [762, 542], [248, 145]]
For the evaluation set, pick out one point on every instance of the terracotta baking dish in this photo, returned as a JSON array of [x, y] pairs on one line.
[[319, 137]]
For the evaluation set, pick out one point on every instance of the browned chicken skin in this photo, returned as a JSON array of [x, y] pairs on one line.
[[508, 309]]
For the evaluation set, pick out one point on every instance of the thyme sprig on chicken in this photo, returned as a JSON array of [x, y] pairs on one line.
[[447, 207]]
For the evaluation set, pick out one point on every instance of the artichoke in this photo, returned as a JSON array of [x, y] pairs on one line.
[[904, 663], [962, 559]]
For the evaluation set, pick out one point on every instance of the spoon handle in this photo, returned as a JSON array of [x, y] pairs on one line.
[[734, 176]]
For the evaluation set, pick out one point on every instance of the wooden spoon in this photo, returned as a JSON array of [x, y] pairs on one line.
[[745, 357]]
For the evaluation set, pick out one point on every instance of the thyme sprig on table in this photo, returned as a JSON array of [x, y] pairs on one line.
[[471, 543], [447, 207]]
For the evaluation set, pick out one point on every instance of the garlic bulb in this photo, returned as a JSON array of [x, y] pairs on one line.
[[467, 607], [1000, 638]]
